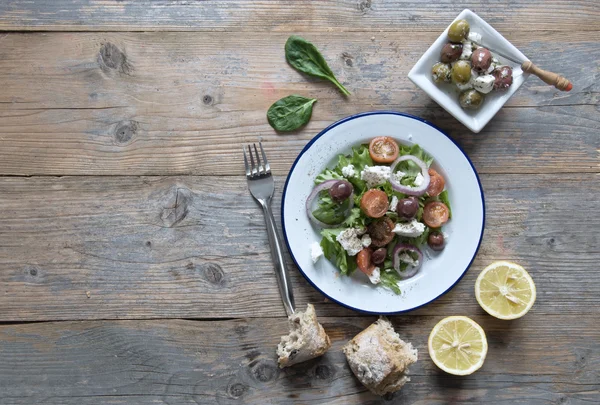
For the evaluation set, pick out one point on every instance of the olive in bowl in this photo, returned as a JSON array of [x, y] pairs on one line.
[[471, 99], [441, 72], [459, 30], [461, 72], [451, 52], [504, 78]]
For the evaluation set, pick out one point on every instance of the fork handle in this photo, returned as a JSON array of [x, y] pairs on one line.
[[283, 279]]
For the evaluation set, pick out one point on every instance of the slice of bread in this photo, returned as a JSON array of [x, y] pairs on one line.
[[379, 358], [307, 339]]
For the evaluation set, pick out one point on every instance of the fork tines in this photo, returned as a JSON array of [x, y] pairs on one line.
[[256, 169]]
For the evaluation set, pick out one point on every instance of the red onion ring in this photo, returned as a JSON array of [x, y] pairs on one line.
[[416, 191], [411, 270], [326, 185]]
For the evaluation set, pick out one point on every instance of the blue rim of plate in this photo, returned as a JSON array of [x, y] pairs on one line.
[[323, 132]]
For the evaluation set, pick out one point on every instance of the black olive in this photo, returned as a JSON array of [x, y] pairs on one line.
[[435, 240], [407, 207], [379, 255], [340, 191]]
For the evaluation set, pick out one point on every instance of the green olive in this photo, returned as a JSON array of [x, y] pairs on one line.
[[471, 99], [461, 72], [458, 31], [441, 72]]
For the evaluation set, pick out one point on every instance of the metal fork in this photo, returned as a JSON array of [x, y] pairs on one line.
[[260, 183]]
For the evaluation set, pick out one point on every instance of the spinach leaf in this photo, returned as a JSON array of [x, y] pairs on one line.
[[329, 211], [290, 113], [306, 58]]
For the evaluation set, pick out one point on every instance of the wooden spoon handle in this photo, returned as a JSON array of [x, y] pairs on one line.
[[553, 79]]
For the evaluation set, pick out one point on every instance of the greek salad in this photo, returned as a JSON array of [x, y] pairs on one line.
[[376, 209]]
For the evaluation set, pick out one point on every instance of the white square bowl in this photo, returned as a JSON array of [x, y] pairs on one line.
[[446, 95]]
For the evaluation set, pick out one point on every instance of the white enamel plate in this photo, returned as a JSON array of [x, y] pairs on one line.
[[440, 271]]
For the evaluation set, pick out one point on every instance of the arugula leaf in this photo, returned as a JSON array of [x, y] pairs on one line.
[[422, 239], [390, 280], [356, 219], [335, 253], [417, 151], [328, 174], [290, 113], [444, 198], [361, 158], [305, 57]]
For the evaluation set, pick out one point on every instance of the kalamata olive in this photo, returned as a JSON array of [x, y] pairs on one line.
[[451, 52], [435, 240], [481, 59], [407, 207], [461, 72], [471, 99], [458, 31], [504, 77], [441, 72], [340, 191], [379, 255]]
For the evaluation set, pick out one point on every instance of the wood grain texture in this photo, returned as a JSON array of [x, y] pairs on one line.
[[318, 16], [234, 362], [196, 247], [183, 103]]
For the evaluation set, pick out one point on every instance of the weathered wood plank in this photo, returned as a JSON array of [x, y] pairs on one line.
[[324, 15], [196, 247], [535, 360], [178, 103]]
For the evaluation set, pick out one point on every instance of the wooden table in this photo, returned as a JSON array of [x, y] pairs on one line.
[[134, 265]]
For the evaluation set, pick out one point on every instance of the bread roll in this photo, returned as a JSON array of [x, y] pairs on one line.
[[379, 358], [307, 339]]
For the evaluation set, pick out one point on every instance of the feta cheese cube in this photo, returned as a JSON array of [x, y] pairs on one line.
[[375, 277], [467, 50], [475, 37], [410, 229], [419, 180], [468, 85], [365, 240], [398, 175], [315, 252], [484, 83], [348, 171], [349, 240], [375, 175], [394, 203]]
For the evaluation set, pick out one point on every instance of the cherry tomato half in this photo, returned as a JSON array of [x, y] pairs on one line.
[[374, 203], [383, 149], [435, 214], [363, 261], [436, 183], [381, 231]]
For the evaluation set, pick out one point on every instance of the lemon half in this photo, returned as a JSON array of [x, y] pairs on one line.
[[505, 290], [458, 345]]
